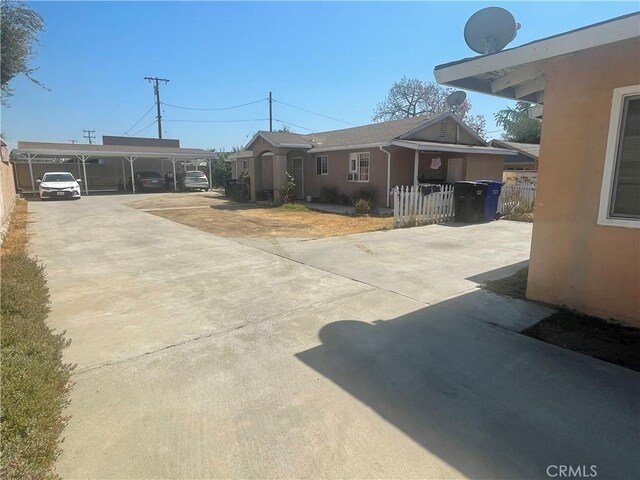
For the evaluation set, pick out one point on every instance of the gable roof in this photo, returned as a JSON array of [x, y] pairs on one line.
[[375, 134], [282, 139], [530, 150], [518, 73]]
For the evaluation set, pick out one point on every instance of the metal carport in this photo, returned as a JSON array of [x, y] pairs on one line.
[[64, 154]]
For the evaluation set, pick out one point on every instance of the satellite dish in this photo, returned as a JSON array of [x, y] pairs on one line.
[[490, 30], [455, 99]]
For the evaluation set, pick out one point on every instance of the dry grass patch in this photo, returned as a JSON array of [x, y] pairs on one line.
[[273, 222], [34, 381], [178, 200], [15, 242]]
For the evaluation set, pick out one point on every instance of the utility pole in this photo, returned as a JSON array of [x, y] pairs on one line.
[[270, 113], [89, 135], [156, 89], [72, 141]]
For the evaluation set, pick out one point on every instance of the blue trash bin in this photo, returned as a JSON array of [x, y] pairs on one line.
[[491, 198]]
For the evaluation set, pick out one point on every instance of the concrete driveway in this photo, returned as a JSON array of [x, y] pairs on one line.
[[366, 356]]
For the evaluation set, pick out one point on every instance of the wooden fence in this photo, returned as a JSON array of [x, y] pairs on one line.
[[513, 196], [411, 207]]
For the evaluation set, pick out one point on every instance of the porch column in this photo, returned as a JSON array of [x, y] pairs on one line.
[[83, 159], [279, 176], [33, 183], [416, 162]]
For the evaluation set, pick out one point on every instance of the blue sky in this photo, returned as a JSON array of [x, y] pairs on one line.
[[338, 59]]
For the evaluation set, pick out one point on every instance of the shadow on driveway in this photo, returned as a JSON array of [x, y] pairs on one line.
[[488, 401]]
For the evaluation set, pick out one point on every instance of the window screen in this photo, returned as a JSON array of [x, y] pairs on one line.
[[322, 165]]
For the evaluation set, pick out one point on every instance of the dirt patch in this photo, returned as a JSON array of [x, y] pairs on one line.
[[272, 222], [178, 200], [606, 340], [15, 241]]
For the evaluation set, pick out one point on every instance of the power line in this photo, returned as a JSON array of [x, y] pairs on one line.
[[315, 113], [289, 123], [140, 119], [214, 109], [254, 123], [142, 129], [219, 121], [89, 135], [156, 89]]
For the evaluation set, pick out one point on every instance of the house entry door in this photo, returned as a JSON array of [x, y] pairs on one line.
[[295, 169], [454, 170]]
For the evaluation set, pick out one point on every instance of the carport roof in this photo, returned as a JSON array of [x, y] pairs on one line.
[[105, 151]]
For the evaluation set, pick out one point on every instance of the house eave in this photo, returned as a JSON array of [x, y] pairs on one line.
[[449, 147], [349, 147], [519, 73]]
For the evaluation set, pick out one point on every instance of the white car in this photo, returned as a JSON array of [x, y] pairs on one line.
[[194, 180], [59, 185]]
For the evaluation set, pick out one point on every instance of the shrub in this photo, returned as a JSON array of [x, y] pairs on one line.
[[343, 199], [35, 383], [365, 194], [288, 190], [328, 195], [363, 206]]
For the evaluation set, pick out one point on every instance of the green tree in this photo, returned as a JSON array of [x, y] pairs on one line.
[[20, 26], [220, 168], [411, 97], [518, 126]]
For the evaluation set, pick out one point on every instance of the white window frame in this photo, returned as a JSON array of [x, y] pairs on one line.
[[356, 157], [245, 165], [324, 165], [608, 175]]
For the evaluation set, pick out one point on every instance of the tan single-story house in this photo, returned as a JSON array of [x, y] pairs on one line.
[[585, 250], [436, 148]]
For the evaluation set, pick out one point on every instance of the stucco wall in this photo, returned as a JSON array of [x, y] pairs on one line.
[[483, 167], [338, 167], [8, 197], [574, 261]]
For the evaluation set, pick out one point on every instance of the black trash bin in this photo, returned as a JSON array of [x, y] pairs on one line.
[[491, 199], [429, 188], [469, 201]]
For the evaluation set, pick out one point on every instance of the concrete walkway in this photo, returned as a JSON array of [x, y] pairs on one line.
[[358, 357]]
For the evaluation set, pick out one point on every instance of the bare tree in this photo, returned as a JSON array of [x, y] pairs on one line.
[[411, 97], [19, 27]]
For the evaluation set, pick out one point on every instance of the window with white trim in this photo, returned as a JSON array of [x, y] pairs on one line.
[[620, 195], [245, 165], [322, 165], [359, 165]]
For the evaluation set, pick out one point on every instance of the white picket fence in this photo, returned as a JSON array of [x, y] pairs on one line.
[[513, 196], [411, 207]]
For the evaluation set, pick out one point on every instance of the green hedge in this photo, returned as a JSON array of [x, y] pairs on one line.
[[35, 382]]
